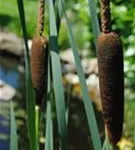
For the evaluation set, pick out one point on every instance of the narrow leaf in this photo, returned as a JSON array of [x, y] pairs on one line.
[[37, 114], [49, 129], [29, 89], [95, 23], [13, 134], [87, 102], [57, 79]]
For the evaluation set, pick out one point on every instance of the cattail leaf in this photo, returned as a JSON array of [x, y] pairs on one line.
[[57, 79], [58, 15], [13, 129], [37, 114], [29, 89], [48, 126], [94, 22], [49, 123], [69, 91], [87, 102], [23, 25]]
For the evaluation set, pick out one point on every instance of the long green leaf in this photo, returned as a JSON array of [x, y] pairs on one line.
[[49, 128], [23, 23], [69, 91], [29, 89], [95, 23], [13, 133], [37, 115], [87, 102], [57, 79]]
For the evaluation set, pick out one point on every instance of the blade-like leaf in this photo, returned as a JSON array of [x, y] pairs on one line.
[[95, 23], [37, 114], [48, 126], [29, 89], [49, 129], [57, 79], [23, 23], [87, 102], [69, 91], [13, 133]]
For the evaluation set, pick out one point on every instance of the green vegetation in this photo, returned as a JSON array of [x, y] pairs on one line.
[[83, 38], [10, 17]]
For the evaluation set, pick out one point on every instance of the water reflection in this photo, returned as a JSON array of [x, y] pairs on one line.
[[4, 129], [10, 75]]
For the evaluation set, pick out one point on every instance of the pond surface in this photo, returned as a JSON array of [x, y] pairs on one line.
[[10, 75], [79, 136]]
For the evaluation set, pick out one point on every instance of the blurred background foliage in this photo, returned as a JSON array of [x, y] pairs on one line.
[[123, 22]]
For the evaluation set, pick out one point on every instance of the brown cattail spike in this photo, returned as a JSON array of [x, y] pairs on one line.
[[40, 24], [38, 66], [105, 16], [39, 56], [110, 64]]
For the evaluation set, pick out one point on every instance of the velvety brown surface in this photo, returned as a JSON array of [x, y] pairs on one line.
[[111, 80], [38, 69]]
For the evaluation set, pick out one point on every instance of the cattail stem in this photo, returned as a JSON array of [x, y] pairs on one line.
[[40, 24], [105, 16]]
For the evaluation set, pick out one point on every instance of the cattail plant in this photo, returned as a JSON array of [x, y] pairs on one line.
[[39, 56], [110, 64]]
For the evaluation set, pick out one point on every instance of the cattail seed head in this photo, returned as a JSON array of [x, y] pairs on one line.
[[38, 69], [111, 80]]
